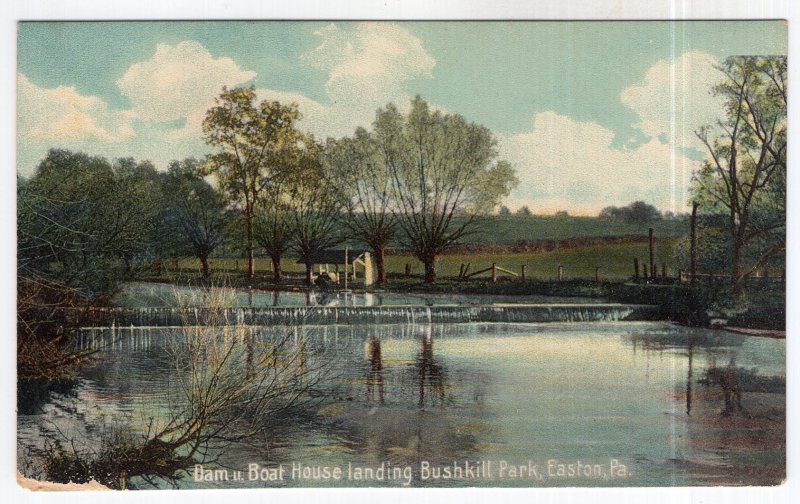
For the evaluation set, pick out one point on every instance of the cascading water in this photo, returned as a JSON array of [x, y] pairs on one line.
[[320, 315]]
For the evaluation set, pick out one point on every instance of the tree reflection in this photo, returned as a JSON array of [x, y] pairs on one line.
[[431, 372], [375, 376]]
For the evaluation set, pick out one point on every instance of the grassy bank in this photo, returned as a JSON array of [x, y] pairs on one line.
[[615, 261]]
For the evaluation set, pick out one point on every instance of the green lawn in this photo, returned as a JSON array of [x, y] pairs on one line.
[[615, 261]]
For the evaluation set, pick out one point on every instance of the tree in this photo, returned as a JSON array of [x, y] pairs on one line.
[[82, 220], [314, 203], [230, 387], [251, 140], [80, 223], [195, 210], [637, 212], [744, 175], [444, 173], [504, 211], [524, 211], [356, 166], [274, 226]]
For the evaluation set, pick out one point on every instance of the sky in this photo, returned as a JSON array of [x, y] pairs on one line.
[[590, 114]]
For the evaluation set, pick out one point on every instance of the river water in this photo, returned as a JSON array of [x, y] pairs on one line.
[[638, 403]]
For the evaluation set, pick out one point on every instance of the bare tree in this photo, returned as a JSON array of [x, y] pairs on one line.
[[230, 387]]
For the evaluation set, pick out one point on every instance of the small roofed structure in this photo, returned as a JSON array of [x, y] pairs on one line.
[[355, 259]]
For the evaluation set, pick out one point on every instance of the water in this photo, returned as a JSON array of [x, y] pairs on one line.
[[311, 315], [150, 295], [451, 395]]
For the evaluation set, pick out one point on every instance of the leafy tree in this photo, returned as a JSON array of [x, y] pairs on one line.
[[195, 210], [274, 226], [524, 212], [357, 168], [504, 211], [81, 221], [250, 140], [315, 205], [637, 212], [744, 175], [441, 166]]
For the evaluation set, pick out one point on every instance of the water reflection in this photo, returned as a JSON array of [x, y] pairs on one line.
[[375, 375], [431, 372], [442, 392]]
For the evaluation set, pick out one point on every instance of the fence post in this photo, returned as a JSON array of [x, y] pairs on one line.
[[524, 272], [408, 269], [494, 272], [680, 276], [654, 272], [597, 273], [560, 272], [664, 271], [635, 269]]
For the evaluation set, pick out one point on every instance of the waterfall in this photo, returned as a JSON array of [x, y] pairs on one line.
[[320, 315]]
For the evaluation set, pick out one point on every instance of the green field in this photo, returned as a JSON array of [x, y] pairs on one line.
[[514, 229], [614, 260]]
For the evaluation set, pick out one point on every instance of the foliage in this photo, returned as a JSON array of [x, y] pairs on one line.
[[440, 166], [524, 211], [252, 141], [194, 211], [314, 205], [637, 212], [744, 176], [357, 168], [81, 222]]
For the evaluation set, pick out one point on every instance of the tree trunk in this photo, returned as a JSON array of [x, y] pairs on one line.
[[309, 274], [277, 273], [380, 263], [738, 279], [430, 269], [203, 264], [248, 219]]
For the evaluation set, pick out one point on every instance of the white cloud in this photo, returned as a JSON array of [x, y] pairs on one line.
[[674, 98], [179, 82], [63, 114], [564, 164], [366, 69]]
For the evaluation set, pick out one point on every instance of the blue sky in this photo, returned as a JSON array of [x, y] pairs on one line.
[[590, 113]]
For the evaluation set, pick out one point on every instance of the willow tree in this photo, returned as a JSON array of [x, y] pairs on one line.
[[194, 211], [444, 172], [744, 175], [357, 166], [250, 140], [315, 206], [274, 226]]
